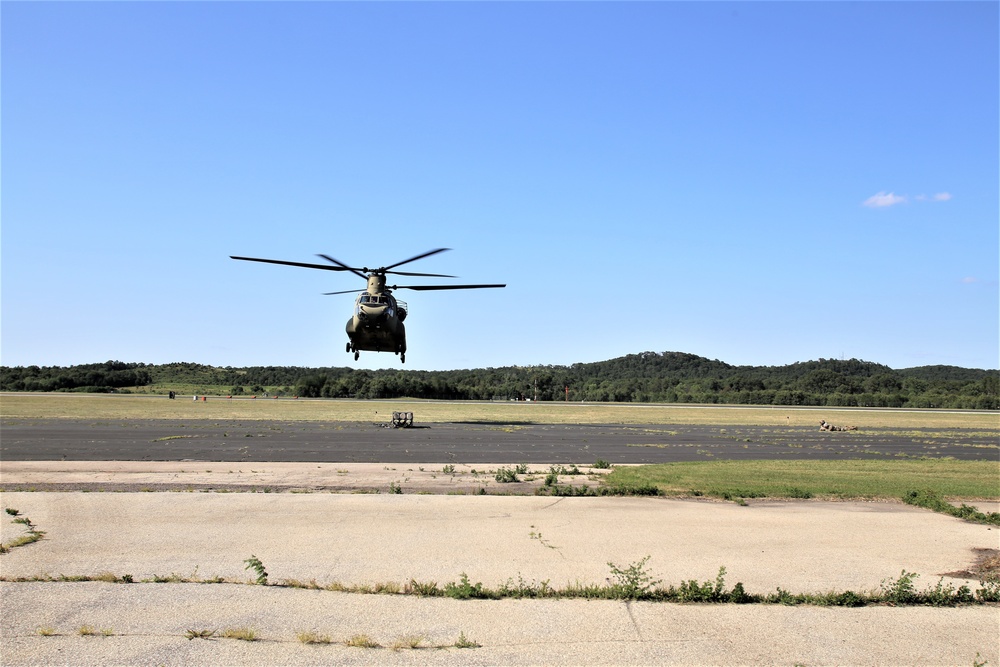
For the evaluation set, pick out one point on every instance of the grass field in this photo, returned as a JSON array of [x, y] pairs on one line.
[[817, 479], [109, 406]]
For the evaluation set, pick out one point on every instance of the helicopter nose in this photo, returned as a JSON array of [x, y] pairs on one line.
[[373, 313]]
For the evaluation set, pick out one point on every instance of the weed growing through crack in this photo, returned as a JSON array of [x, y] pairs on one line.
[[243, 634], [634, 581], [310, 637], [199, 634], [409, 641], [33, 534], [465, 642], [86, 631], [900, 591], [506, 475], [362, 641], [46, 631], [464, 590], [253, 563]]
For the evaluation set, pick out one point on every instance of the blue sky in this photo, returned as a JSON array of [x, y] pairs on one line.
[[759, 183]]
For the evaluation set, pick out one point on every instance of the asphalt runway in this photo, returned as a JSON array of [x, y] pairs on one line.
[[351, 442]]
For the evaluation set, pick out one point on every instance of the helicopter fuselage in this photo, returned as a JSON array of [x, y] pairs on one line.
[[377, 323]]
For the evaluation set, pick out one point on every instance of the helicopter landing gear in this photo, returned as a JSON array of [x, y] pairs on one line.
[[348, 346], [402, 358], [356, 355]]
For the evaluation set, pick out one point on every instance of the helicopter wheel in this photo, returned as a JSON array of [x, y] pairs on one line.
[[402, 358], [356, 355], [348, 346]]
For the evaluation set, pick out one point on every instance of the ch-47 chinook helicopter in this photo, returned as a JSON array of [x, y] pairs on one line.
[[377, 323]]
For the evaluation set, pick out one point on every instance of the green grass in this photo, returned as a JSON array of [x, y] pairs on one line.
[[111, 406], [817, 479]]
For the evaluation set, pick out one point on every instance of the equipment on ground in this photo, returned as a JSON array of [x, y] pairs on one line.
[[826, 426], [402, 419], [377, 323]]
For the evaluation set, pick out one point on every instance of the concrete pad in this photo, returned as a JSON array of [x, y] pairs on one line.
[[805, 546], [148, 623], [801, 546]]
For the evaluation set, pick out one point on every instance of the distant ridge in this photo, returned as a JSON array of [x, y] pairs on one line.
[[656, 377]]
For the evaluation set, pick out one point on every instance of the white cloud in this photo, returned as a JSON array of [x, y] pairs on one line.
[[968, 280], [883, 199], [941, 196]]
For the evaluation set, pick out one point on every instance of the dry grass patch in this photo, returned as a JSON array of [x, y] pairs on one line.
[[489, 414], [362, 641], [243, 634]]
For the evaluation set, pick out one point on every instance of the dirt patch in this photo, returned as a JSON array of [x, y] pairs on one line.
[[985, 566]]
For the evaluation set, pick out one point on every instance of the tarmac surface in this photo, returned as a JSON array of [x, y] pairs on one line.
[[301, 441], [437, 530]]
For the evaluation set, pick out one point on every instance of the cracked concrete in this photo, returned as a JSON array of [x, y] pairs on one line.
[[801, 546]]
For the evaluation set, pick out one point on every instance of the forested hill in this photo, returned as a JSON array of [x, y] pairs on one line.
[[667, 377]]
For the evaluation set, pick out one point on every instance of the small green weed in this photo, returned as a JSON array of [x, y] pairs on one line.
[[601, 464], [900, 591], [465, 590], [310, 637], [465, 642], [506, 475], [632, 582], [253, 563], [199, 634], [692, 591]]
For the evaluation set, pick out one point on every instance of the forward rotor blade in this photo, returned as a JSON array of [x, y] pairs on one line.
[[413, 259], [425, 275], [343, 267], [438, 287], [346, 291], [301, 264]]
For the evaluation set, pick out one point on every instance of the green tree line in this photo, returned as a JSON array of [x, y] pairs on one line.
[[648, 377]]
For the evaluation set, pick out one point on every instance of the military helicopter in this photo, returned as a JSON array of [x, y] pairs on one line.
[[377, 323]]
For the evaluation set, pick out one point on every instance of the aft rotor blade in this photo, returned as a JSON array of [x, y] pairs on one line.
[[343, 267], [437, 287], [413, 259], [301, 264]]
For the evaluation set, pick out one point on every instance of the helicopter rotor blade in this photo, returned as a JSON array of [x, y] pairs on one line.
[[346, 291], [425, 275], [440, 287], [413, 259], [344, 267], [286, 263]]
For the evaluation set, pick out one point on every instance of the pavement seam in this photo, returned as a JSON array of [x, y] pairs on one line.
[[631, 617]]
